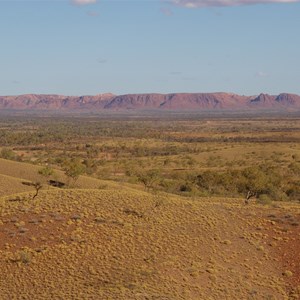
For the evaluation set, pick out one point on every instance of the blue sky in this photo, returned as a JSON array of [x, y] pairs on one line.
[[87, 47]]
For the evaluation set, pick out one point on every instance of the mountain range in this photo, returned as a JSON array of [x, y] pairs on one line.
[[176, 101]]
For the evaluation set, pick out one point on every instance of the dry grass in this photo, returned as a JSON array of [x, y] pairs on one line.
[[10, 185], [109, 240], [92, 244], [13, 173]]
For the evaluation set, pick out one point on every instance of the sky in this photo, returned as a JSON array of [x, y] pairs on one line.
[[89, 47]]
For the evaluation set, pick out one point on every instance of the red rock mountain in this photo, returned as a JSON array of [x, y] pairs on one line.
[[176, 101]]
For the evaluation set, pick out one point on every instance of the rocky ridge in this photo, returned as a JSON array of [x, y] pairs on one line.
[[175, 101]]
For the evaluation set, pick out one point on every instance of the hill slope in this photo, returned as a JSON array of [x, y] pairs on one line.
[[91, 244], [13, 173], [120, 243]]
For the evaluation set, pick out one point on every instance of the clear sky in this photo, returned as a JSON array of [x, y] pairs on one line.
[[87, 47]]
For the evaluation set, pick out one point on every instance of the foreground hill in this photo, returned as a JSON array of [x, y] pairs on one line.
[[91, 244], [105, 240], [79, 244], [176, 101]]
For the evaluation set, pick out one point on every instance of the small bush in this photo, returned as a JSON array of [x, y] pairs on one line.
[[264, 199], [7, 153]]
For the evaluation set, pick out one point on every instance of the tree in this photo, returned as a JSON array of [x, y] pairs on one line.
[[208, 181], [250, 194], [148, 178], [46, 172], [73, 168], [37, 186], [90, 165], [7, 153], [258, 180]]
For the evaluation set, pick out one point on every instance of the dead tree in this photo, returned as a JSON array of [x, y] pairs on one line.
[[250, 195], [37, 187]]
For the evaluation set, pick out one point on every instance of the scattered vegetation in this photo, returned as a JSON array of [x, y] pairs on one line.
[[46, 172], [73, 168], [192, 156], [149, 209]]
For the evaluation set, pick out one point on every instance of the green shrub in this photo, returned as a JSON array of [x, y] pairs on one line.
[[264, 199], [7, 153]]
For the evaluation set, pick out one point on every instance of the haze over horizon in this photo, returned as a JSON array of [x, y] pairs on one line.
[[88, 47]]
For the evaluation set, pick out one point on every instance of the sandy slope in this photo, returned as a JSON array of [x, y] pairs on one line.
[[13, 173]]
